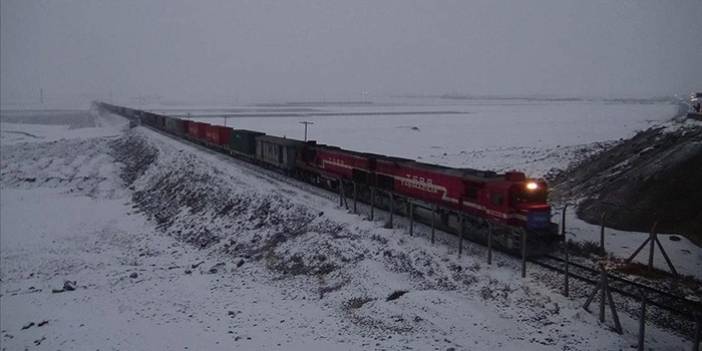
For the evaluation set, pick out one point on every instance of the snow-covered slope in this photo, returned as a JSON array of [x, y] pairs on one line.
[[174, 247]]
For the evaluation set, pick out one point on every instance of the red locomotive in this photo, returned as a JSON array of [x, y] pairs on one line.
[[506, 200]]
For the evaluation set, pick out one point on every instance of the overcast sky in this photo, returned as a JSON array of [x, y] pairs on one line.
[[311, 50]]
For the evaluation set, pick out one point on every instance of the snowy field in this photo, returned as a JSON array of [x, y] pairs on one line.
[[135, 219], [524, 134]]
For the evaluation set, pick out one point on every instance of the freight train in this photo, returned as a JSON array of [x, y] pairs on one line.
[[509, 207]]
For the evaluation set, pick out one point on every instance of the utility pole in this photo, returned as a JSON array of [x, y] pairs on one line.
[[41, 96], [306, 123]]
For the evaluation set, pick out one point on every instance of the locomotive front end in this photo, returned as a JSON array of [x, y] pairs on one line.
[[529, 198]]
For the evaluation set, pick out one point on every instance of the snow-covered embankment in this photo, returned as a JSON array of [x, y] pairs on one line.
[[272, 265]]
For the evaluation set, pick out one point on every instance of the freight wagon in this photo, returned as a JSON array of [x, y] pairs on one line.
[[244, 141], [278, 152], [217, 135]]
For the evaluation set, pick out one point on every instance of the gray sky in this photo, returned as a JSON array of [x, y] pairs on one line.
[[284, 50]]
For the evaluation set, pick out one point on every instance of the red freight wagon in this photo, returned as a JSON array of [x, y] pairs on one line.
[[197, 129], [202, 130], [218, 135], [191, 128]]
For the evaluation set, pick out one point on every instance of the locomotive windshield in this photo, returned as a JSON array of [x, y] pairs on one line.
[[528, 196]]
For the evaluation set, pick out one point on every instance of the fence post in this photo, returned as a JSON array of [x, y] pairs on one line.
[[489, 243], [566, 279], [433, 216], [566, 282], [698, 331], [372, 202], [642, 321], [524, 252], [636, 252], [355, 198], [341, 193], [667, 259], [602, 231], [603, 293], [411, 217], [613, 309], [392, 209], [460, 235], [652, 240], [563, 222]]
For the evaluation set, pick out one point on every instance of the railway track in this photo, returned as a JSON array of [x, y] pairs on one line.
[[624, 287]]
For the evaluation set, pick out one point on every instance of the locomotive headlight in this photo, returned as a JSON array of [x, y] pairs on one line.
[[532, 186]]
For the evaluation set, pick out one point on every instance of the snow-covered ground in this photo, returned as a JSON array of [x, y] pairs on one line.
[[530, 135], [685, 255], [136, 219]]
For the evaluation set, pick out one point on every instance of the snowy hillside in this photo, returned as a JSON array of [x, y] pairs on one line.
[[127, 239]]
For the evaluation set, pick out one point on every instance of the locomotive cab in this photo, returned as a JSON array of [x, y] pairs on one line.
[[529, 198]]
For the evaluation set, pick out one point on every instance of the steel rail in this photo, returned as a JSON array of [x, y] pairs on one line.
[[690, 307]]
